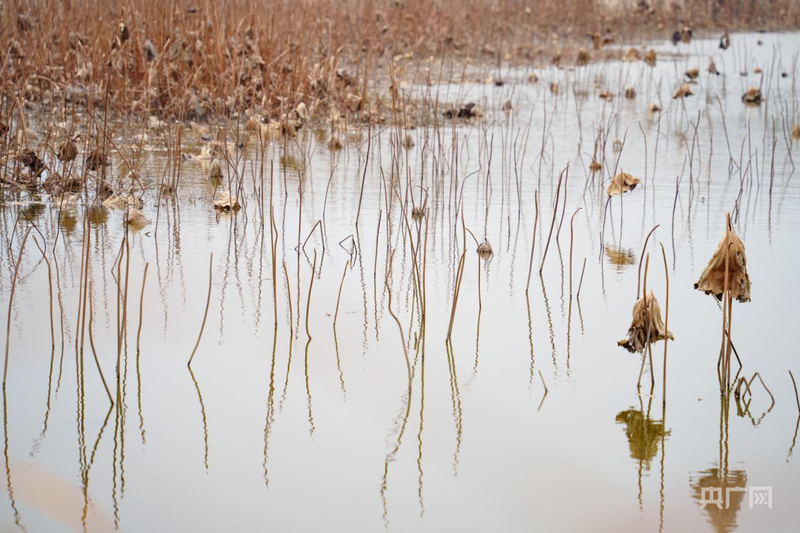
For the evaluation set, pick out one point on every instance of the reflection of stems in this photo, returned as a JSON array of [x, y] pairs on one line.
[[50, 287], [533, 244], [270, 405], [141, 307], [545, 390], [796, 398], [17, 518], [94, 352], [339, 298], [794, 439], [310, 287], [666, 326], [571, 235], [580, 283], [10, 303], [205, 314], [203, 412], [553, 222], [308, 388]]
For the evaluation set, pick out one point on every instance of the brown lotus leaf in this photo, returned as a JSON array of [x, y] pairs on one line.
[[645, 310], [622, 183], [631, 54], [682, 92], [712, 280], [225, 201], [692, 73], [68, 151], [650, 57], [136, 219]]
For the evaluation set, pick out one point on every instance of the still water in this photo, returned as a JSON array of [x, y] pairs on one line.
[[529, 420]]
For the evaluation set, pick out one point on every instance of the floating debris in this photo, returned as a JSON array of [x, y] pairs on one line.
[[646, 321], [607, 96], [725, 41], [485, 249], [594, 166], [682, 92], [692, 73], [752, 96], [654, 107], [650, 58], [712, 280], [622, 183], [215, 169], [630, 93], [31, 159], [136, 219], [631, 54], [470, 110], [96, 160], [68, 151], [225, 201]]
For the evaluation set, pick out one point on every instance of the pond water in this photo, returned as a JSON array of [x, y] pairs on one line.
[[529, 419]]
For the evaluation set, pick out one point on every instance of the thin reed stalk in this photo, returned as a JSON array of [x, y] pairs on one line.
[[141, 306], [94, 352], [205, 313], [310, 287], [339, 297]]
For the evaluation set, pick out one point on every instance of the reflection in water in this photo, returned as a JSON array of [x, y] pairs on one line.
[[794, 438], [643, 435], [720, 482], [530, 337], [9, 487], [203, 413], [455, 396], [308, 391], [721, 519], [270, 405], [619, 256]]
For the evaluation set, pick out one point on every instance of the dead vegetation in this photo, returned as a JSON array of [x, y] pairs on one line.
[[197, 61], [647, 327], [729, 254]]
